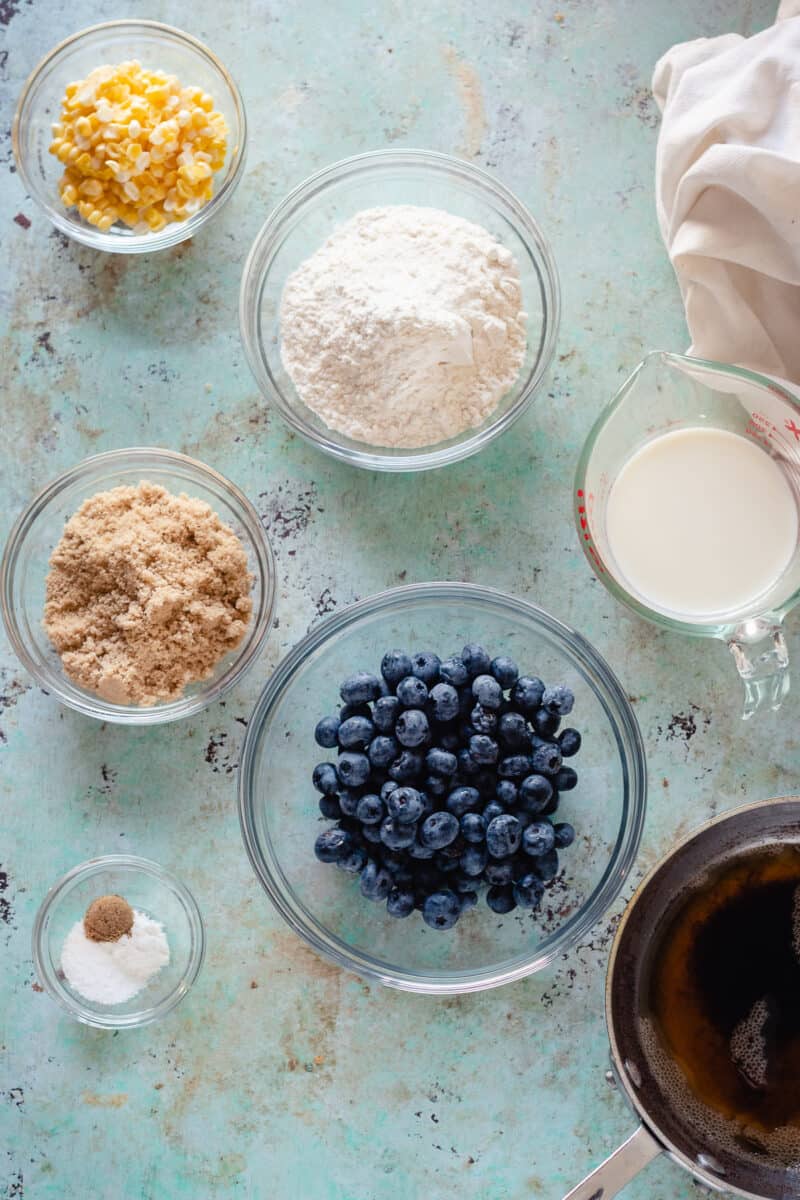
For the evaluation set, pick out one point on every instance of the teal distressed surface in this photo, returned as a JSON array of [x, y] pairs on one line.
[[312, 1084]]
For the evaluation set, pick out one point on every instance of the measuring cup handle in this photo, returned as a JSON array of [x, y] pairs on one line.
[[619, 1168], [759, 651]]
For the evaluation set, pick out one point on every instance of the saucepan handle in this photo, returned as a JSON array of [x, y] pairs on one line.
[[619, 1168]]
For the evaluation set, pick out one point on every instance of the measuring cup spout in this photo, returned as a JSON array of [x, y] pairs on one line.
[[759, 651]]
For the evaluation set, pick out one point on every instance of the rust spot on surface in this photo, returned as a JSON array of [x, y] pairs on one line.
[[23, 221], [110, 1100]]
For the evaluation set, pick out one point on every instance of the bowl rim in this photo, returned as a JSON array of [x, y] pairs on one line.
[[173, 710], [630, 746], [254, 277], [174, 232], [83, 1010]]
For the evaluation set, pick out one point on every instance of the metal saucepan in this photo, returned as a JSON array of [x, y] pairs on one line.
[[671, 1122]]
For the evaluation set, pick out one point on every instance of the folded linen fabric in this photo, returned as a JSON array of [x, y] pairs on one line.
[[728, 191]]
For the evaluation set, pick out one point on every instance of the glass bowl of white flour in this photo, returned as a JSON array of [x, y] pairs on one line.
[[160, 903], [400, 309]]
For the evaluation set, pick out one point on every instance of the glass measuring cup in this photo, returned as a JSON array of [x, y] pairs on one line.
[[667, 392]]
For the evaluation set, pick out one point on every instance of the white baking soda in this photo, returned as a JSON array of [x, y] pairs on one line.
[[701, 522], [114, 972]]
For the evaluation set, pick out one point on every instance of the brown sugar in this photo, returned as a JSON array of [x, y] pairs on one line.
[[147, 591], [108, 918]]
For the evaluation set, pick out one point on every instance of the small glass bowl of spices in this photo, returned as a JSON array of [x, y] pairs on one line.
[[118, 942], [138, 587], [130, 135]]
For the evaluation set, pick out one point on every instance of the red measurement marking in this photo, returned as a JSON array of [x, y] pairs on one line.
[[792, 428], [580, 491], [581, 508], [586, 537], [583, 522]]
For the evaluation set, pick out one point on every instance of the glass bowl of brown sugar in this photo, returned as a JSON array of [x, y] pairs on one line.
[[138, 587]]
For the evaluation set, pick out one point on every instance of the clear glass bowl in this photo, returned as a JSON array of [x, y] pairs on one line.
[[309, 214], [280, 818], [25, 565], [147, 887], [156, 46]]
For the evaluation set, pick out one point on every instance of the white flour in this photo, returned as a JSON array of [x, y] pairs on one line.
[[405, 328], [113, 972]]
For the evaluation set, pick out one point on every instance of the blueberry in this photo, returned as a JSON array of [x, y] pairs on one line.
[[395, 863], [500, 899], [483, 749], [452, 670], [565, 834], [354, 861], [552, 804], [499, 873], [355, 710], [468, 900], [375, 881], [388, 787], [412, 728], [325, 734], [546, 759], [436, 785], [348, 801], [441, 762], [400, 902], [566, 779], [514, 767], [558, 700], [534, 793], [473, 860], [405, 805], [503, 836], [329, 807], [512, 731], [385, 712], [449, 740], [371, 810], [425, 665], [383, 750], [505, 671], [444, 702], [486, 783], [506, 793], [487, 691], [467, 767], [407, 766], [483, 720], [466, 701], [446, 864], [538, 839], [396, 665], [356, 733], [569, 742], [473, 827], [527, 693], [333, 844], [493, 809], [360, 688], [461, 799], [546, 866], [372, 833], [476, 660], [395, 835], [441, 909], [545, 723], [412, 692], [528, 891], [325, 779], [353, 769], [419, 851], [439, 830]]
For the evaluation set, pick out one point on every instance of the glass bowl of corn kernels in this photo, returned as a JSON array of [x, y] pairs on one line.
[[130, 135]]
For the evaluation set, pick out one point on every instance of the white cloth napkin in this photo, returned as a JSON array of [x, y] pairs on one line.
[[728, 191]]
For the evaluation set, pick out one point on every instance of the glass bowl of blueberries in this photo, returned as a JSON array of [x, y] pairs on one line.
[[442, 788]]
